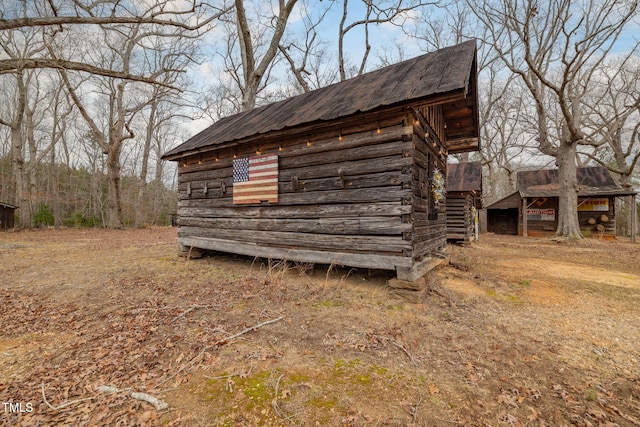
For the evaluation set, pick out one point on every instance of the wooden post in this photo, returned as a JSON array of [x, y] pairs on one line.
[[634, 219], [524, 217]]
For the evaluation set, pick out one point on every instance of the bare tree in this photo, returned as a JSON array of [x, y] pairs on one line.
[[36, 35], [613, 118], [306, 53], [59, 112], [190, 16], [505, 132], [554, 47], [125, 47], [156, 121], [253, 67], [17, 44], [395, 12], [452, 24]]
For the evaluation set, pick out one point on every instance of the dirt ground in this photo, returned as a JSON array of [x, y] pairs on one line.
[[512, 332]]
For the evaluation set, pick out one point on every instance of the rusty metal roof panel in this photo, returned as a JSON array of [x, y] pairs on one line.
[[8, 206], [464, 177], [592, 181], [434, 73]]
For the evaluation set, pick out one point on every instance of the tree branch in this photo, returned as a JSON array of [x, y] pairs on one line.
[[12, 24], [11, 65]]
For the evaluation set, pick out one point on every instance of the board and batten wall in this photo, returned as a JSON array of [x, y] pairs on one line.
[[355, 195]]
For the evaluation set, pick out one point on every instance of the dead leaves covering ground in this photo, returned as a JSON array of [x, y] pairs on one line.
[[497, 338]]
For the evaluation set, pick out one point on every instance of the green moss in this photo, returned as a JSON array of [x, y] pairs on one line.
[[362, 379], [323, 402], [328, 303], [298, 378], [378, 370], [515, 299], [255, 388], [341, 363], [590, 394]]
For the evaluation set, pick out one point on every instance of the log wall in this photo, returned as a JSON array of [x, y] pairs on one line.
[[429, 232], [356, 196], [460, 218]]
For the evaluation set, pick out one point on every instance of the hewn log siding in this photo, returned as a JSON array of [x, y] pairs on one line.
[[343, 194], [355, 165], [429, 229], [366, 225], [214, 187], [460, 219], [308, 211], [363, 243], [364, 192], [354, 259]]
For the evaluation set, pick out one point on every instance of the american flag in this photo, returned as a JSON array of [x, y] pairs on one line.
[[255, 179]]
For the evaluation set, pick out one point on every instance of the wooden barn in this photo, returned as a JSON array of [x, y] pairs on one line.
[[7, 216], [533, 209], [342, 174], [464, 199]]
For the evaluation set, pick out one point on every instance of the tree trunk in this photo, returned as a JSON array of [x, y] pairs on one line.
[[114, 204], [141, 210], [568, 224], [19, 177], [253, 74], [250, 94]]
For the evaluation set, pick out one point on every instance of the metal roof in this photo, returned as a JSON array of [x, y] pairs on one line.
[[464, 176], [452, 70], [6, 205], [592, 181]]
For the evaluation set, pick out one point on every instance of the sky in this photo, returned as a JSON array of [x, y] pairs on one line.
[[383, 38]]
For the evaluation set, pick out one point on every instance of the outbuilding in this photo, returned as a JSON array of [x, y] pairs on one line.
[[350, 174], [7, 216], [532, 210], [464, 199]]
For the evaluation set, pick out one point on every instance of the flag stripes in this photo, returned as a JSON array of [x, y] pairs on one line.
[[255, 179]]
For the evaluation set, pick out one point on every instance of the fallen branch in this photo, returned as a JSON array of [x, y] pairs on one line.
[[401, 347], [175, 307], [414, 410], [229, 382], [252, 328], [64, 405], [183, 314], [274, 403], [159, 404]]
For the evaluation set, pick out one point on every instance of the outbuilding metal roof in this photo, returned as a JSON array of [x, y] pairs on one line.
[[592, 181], [464, 177]]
